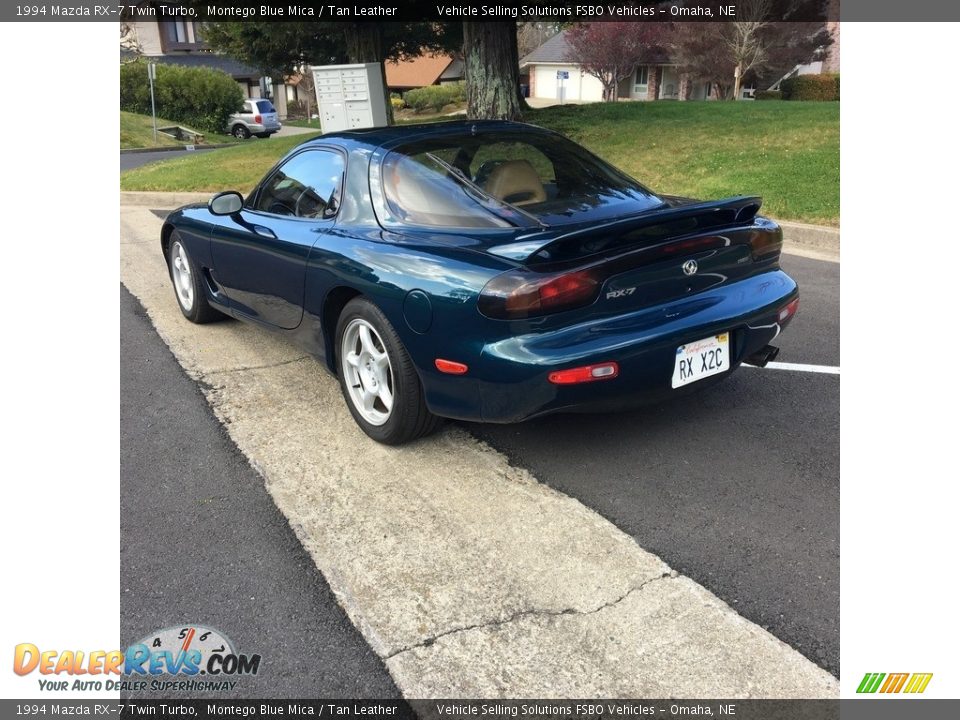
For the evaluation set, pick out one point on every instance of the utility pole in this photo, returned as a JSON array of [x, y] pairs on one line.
[[152, 75]]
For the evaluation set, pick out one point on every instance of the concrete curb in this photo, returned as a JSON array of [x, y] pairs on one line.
[[814, 241], [129, 151], [162, 200]]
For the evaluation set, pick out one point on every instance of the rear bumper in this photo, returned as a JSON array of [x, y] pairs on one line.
[[259, 128], [510, 384]]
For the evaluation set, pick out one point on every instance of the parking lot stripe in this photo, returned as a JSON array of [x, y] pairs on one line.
[[467, 575], [801, 367]]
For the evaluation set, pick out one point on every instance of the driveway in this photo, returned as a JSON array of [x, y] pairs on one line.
[[202, 541], [470, 575], [737, 487]]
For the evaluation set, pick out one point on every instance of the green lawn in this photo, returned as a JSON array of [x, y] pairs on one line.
[[136, 131], [788, 152], [235, 168]]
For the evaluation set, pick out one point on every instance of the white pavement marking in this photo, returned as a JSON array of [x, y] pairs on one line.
[[469, 577], [799, 367]]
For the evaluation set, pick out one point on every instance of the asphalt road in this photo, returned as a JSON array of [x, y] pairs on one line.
[[203, 542], [129, 161], [737, 487]]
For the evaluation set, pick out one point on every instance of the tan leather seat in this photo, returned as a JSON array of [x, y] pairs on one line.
[[516, 182]]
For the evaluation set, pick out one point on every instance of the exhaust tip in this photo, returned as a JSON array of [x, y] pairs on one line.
[[764, 355]]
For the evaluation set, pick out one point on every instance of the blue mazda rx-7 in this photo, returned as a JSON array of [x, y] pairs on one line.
[[487, 271]]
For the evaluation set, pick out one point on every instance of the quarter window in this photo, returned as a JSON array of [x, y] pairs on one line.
[[306, 186]]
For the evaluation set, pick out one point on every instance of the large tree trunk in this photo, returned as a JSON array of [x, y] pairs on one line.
[[365, 45], [492, 71]]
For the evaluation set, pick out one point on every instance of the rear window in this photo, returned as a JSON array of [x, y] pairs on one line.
[[502, 179], [265, 106]]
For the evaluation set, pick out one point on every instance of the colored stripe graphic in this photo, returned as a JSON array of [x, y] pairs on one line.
[[870, 682], [895, 682], [918, 682]]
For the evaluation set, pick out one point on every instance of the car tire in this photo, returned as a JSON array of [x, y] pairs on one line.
[[188, 285], [240, 132], [371, 359]]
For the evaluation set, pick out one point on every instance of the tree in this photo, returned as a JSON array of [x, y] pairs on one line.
[[492, 66], [531, 35], [611, 51], [283, 49], [762, 43]]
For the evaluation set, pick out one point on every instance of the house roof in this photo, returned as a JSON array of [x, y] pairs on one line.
[[417, 72], [233, 68], [557, 50]]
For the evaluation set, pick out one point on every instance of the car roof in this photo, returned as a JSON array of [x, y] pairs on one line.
[[380, 136]]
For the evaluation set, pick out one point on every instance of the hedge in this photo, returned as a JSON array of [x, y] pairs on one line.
[[811, 87], [768, 95], [435, 97], [200, 98]]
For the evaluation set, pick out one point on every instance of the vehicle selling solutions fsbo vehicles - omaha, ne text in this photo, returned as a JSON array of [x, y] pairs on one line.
[[487, 271]]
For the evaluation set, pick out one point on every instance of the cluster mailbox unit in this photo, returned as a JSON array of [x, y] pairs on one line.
[[350, 96]]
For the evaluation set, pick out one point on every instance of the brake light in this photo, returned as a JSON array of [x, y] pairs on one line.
[[587, 373], [258, 119], [519, 294], [764, 243], [788, 311]]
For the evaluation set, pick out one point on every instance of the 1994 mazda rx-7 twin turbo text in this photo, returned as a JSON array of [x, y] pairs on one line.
[[487, 271]]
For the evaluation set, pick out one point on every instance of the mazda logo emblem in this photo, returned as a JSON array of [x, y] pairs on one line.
[[690, 267]]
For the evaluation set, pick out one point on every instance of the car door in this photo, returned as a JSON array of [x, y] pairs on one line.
[[260, 254]]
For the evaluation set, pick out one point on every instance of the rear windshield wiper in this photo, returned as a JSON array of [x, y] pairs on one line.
[[468, 184]]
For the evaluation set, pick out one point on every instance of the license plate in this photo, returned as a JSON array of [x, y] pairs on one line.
[[701, 359]]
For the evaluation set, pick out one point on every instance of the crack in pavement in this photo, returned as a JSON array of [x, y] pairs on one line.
[[672, 574], [257, 367]]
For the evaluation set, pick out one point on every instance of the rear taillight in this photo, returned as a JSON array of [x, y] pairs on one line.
[[766, 243], [788, 311], [258, 119], [587, 373], [519, 294]]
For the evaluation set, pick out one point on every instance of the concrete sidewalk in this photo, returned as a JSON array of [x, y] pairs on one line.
[[466, 575]]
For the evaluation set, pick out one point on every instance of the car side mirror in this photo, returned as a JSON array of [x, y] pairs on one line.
[[226, 203]]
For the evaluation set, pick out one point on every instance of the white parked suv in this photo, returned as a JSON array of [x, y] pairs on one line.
[[258, 117]]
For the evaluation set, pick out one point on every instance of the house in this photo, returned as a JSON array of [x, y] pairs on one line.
[[423, 70], [180, 42], [553, 76]]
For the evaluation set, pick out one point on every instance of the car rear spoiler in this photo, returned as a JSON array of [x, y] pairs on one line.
[[662, 224]]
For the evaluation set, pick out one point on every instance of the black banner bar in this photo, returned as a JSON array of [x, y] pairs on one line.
[[470, 10], [591, 709]]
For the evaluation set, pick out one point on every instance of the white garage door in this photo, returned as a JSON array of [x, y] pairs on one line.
[[575, 87]]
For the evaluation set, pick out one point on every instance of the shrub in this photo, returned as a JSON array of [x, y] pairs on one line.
[[200, 98], [811, 87], [768, 95], [397, 102], [296, 110], [435, 97]]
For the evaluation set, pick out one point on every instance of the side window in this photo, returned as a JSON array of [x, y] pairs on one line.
[[246, 108], [306, 186]]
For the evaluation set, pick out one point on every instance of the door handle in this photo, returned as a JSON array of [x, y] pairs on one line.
[[264, 232]]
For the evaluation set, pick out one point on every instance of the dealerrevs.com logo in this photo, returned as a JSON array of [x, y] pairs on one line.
[[911, 683], [200, 658]]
